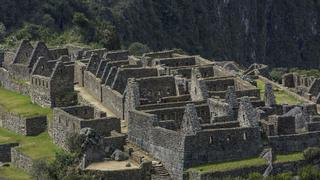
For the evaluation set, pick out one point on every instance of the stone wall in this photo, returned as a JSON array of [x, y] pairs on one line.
[[278, 168], [221, 145], [154, 88], [72, 119], [79, 68], [120, 82], [20, 160], [21, 125], [294, 142], [92, 84], [116, 140], [175, 62], [8, 82], [141, 173], [113, 100], [163, 144], [5, 151]]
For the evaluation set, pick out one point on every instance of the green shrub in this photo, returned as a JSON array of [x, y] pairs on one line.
[[41, 169], [74, 143], [311, 154], [255, 176], [2, 31], [33, 32], [309, 173], [138, 49], [277, 73]]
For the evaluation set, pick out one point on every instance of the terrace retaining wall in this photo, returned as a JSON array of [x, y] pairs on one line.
[[5, 151], [20, 160], [243, 172], [21, 125]]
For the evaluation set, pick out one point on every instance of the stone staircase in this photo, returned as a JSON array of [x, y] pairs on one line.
[[159, 171]]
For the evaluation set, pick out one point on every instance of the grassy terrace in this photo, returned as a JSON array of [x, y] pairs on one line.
[[22, 105], [36, 147], [12, 173], [281, 96], [224, 166]]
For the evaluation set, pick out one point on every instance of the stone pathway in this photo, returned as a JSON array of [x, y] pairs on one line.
[[93, 101], [98, 105]]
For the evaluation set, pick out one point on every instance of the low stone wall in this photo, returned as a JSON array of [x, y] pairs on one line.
[[8, 82], [5, 151], [243, 172], [20, 160], [142, 173], [21, 125], [294, 142], [116, 140]]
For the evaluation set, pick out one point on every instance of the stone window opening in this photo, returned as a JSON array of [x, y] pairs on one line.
[[43, 83], [228, 138], [42, 67], [67, 123], [59, 119], [245, 136], [177, 64], [195, 91], [47, 85], [211, 140], [168, 91], [73, 126], [162, 116]]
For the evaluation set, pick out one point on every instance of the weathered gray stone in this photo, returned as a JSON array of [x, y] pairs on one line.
[[247, 115], [190, 123], [269, 97]]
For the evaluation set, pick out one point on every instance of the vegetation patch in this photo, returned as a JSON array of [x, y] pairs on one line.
[[224, 166], [21, 105], [13, 173], [36, 147], [281, 96]]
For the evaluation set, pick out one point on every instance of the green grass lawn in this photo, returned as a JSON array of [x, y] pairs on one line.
[[22, 105], [281, 96], [223, 166], [12, 173], [36, 147]]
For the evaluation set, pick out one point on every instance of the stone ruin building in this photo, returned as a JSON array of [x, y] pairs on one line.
[[178, 109], [308, 87], [48, 74]]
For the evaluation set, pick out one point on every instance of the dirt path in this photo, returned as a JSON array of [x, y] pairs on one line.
[[98, 105], [93, 101]]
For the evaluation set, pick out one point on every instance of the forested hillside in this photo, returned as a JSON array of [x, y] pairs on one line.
[[278, 33]]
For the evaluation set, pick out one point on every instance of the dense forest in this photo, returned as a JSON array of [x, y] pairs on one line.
[[279, 33]]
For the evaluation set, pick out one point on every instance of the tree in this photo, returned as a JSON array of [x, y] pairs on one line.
[[138, 49], [2, 31]]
